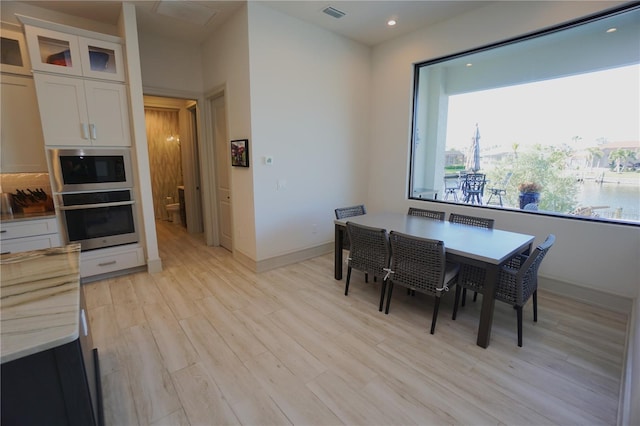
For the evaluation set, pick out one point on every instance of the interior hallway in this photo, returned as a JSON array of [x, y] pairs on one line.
[[208, 342]]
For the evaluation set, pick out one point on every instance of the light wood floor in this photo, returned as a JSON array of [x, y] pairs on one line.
[[208, 342]]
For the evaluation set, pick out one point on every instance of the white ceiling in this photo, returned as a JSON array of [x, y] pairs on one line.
[[364, 21]]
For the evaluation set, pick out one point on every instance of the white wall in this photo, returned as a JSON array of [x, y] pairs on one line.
[[226, 65], [310, 111], [597, 256], [169, 64]]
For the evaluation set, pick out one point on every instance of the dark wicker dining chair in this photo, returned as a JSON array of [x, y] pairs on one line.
[[479, 222], [517, 282], [419, 264], [429, 214], [345, 212], [370, 253]]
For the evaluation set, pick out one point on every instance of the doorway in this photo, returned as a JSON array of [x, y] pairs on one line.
[[173, 159]]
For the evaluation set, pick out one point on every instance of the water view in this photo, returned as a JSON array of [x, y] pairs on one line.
[[612, 199]]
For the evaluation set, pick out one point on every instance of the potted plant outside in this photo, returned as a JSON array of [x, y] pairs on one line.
[[529, 193]]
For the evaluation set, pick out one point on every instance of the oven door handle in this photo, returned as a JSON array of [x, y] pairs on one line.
[[98, 205]]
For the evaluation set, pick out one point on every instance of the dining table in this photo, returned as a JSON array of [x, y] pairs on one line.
[[487, 248]]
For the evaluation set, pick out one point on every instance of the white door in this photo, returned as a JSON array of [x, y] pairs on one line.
[[223, 172]]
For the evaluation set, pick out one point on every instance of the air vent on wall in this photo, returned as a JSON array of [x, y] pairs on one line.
[[331, 11]]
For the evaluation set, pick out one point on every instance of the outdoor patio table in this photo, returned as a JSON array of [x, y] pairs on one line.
[[488, 248]]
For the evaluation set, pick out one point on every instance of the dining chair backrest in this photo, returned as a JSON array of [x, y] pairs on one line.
[[370, 251], [517, 288], [417, 263], [479, 222], [344, 212], [429, 214]]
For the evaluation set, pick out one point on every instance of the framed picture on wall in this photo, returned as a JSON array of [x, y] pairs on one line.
[[240, 153]]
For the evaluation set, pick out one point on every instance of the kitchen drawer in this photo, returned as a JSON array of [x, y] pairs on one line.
[[28, 228], [97, 262], [30, 243]]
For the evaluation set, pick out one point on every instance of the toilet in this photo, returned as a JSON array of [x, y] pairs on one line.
[[173, 210]]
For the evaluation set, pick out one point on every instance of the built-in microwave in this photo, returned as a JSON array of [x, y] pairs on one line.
[[91, 169]]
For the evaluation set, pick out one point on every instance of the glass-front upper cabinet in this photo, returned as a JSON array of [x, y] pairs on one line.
[[70, 54], [13, 51]]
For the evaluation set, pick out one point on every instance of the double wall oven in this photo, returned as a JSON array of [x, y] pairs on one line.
[[94, 194]]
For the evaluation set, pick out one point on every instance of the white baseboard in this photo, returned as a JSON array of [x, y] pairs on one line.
[[587, 295], [154, 266], [295, 257]]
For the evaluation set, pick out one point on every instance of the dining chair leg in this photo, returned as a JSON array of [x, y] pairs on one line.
[[384, 287], [366, 277], [389, 291], [535, 306], [464, 296], [435, 315], [346, 287], [519, 314], [455, 303], [475, 296]]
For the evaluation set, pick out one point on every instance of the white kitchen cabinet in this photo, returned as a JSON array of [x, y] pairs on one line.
[[70, 54], [110, 260], [21, 139], [26, 235], [80, 112], [13, 51]]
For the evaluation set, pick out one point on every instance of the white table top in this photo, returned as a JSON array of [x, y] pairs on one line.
[[40, 300], [492, 246]]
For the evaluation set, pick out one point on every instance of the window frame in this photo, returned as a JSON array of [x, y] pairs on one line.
[[511, 41]]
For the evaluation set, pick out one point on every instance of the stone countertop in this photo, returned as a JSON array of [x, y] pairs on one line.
[[39, 300]]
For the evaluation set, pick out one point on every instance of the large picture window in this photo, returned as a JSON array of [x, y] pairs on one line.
[[548, 123]]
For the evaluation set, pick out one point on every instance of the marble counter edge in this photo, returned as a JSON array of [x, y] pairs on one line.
[[26, 336]]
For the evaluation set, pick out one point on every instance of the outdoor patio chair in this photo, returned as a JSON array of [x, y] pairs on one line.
[[500, 189], [419, 264], [451, 187], [473, 188], [517, 282], [370, 253], [429, 214]]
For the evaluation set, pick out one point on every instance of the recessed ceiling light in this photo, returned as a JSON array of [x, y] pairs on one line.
[[469, 64], [612, 30], [391, 22]]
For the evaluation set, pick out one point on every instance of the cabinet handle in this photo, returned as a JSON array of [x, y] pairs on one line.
[[6, 252], [83, 316], [92, 130], [113, 262], [85, 131], [3, 231]]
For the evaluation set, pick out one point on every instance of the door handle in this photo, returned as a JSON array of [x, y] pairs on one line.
[[92, 130]]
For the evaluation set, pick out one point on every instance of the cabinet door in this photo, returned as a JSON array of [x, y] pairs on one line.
[[63, 110], [21, 137], [108, 113], [53, 51], [13, 51], [101, 59]]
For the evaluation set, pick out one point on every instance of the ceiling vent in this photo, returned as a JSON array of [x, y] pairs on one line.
[[332, 11]]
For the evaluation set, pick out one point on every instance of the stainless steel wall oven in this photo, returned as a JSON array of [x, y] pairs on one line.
[[99, 219]]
